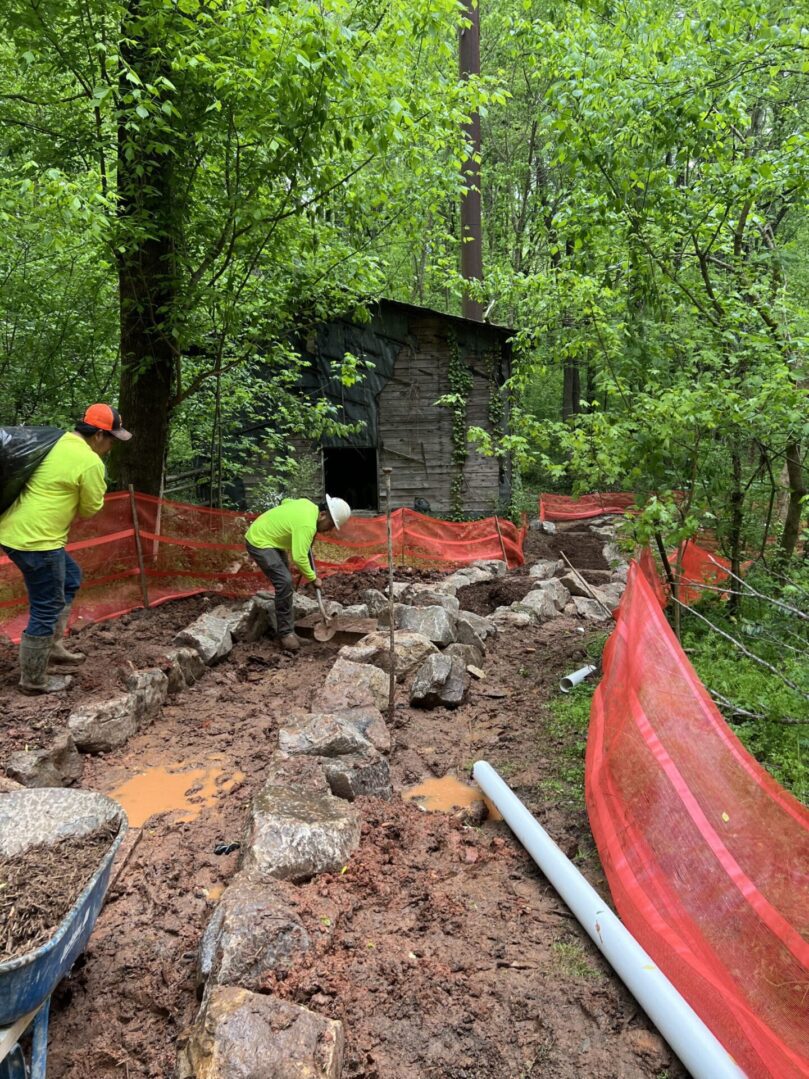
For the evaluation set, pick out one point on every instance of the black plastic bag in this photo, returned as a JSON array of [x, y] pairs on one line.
[[22, 451]]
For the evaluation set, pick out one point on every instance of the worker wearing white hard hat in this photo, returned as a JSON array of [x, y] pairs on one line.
[[289, 529]]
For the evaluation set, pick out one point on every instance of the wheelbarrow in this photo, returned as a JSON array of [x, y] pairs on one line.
[[27, 818]]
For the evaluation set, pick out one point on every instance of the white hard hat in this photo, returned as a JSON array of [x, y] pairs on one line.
[[339, 510]]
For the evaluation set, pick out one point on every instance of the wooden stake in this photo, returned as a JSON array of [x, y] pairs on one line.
[[144, 591], [386, 472], [500, 537]]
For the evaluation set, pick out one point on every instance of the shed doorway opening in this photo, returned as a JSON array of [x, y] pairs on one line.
[[351, 474]]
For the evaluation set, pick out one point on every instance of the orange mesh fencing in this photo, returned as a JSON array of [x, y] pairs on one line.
[[190, 549], [567, 508], [707, 857]]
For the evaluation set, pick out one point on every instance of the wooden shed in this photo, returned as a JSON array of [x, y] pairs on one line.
[[418, 356]]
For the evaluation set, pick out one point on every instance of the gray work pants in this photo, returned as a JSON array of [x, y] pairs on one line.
[[273, 564]]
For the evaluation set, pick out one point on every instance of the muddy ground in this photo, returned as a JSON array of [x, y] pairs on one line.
[[442, 948]]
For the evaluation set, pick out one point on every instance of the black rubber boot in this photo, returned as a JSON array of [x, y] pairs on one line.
[[34, 678]]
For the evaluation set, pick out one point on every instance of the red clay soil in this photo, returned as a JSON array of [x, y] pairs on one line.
[[442, 948]]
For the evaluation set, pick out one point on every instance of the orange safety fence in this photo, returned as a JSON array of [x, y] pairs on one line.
[[568, 508], [707, 857], [190, 549]]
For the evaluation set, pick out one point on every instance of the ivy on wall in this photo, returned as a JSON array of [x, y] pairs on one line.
[[460, 386]]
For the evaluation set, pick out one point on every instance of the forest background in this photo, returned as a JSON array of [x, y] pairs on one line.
[[186, 187]]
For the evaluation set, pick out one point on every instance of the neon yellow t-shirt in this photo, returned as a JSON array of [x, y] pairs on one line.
[[70, 482], [289, 527]]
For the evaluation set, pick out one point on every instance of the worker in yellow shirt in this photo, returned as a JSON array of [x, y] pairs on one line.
[[290, 529], [70, 482]]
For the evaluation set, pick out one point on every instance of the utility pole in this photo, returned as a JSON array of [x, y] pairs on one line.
[[471, 230]]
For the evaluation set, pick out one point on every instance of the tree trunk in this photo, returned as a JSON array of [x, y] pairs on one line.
[[797, 493], [736, 521], [146, 276]]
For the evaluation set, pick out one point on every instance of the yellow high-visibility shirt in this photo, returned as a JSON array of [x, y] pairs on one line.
[[289, 527], [70, 482]]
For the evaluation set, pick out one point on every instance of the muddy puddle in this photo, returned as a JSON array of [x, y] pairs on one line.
[[448, 793], [171, 789]]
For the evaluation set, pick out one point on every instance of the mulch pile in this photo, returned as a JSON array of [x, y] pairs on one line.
[[39, 886]]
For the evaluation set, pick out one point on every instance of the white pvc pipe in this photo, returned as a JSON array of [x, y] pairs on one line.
[[679, 1024], [571, 680]]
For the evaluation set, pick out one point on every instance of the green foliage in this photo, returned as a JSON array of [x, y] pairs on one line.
[[777, 732], [460, 385]]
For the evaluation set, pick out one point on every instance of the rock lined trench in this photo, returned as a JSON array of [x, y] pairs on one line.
[[433, 948]]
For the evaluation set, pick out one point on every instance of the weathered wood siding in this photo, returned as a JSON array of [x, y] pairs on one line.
[[415, 435]]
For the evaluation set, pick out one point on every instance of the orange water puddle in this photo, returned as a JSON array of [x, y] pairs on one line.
[[448, 793], [161, 790]]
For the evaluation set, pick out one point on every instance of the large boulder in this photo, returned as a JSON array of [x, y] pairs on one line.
[[543, 569], [538, 605], [481, 627], [590, 609], [99, 726], [250, 621], [209, 635], [435, 623], [324, 735], [466, 653], [495, 566], [431, 597], [375, 601], [244, 1035], [298, 772], [59, 765], [557, 591], [148, 689], [294, 835], [254, 931], [409, 649], [354, 775], [442, 680], [507, 618], [185, 667], [349, 685]]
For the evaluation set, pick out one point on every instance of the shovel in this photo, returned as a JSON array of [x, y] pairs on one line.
[[324, 630]]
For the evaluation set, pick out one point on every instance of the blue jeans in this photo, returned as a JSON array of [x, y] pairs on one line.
[[52, 579]]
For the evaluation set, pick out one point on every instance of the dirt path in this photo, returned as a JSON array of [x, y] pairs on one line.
[[441, 947]]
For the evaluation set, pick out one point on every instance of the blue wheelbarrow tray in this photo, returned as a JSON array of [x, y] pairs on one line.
[[47, 815]]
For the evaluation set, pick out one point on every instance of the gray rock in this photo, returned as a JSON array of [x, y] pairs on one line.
[[543, 569], [103, 725], [466, 653], [209, 635], [507, 618], [590, 609], [354, 684], [409, 649], [442, 680], [371, 724], [298, 772], [430, 597], [357, 610], [483, 628], [253, 932], [435, 623], [324, 735], [557, 592], [294, 835], [496, 566], [473, 575], [574, 585], [302, 605], [538, 604], [242, 1035], [58, 766], [352, 776], [186, 667], [375, 601], [148, 689], [251, 621], [47, 816]]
